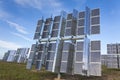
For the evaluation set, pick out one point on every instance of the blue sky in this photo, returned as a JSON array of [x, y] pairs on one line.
[[18, 19]]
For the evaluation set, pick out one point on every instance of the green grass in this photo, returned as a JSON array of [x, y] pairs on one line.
[[14, 71]]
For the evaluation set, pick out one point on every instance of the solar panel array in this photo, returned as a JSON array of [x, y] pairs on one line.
[[64, 51]]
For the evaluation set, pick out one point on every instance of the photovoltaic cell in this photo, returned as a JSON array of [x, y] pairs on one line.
[[63, 67], [81, 14], [45, 35], [54, 33], [81, 22], [95, 12], [50, 56], [80, 46], [33, 47], [55, 25], [65, 56], [79, 56], [40, 22], [69, 23], [95, 29], [95, 20], [46, 28], [78, 68], [37, 35], [80, 31], [57, 19], [48, 20], [95, 45], [69, 16], [49, 65], [68, 32], [95, 69], [95, 56], [38, 29]]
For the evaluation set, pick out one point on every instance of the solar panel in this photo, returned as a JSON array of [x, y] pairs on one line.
[[49, 65], [48, 20], [79, 56], [45, 35], [81, 14], [95, 56], [57, 19], [78, 68], [40, 22], [68, 32], [50, 56], [80, 31], [69, 24], [95, 12], [54, 33], [95, 45], [63, 67], [95, 29], [81, 22], [69, 16], [79, 46], [37, 35], [95, 20], [39, 56], [95, 69], [55, 25]]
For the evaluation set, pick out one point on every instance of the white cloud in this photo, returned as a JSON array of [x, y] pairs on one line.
[[46, 6], [18, 27], [39, 4], [22, 36], [9, 45], [3, 14]]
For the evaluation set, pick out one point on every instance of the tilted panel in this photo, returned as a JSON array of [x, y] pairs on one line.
[[80, 31], [95, 56], [68, 32], [81, 14], [49, 65], [95, 45], [79, 56], [69, 24], [31, 57], [80, 45], [95, 59], [63, 67], [78, 63], [57, 19], [55, 25], [69, 16], [95, 20], [64, 60], [55, 30], [78, 68], [54, 33], [81, 22], [47, 27], [37, 35], [95, 12], [95, 69], [38, 29], [50, 56], [40, 22], [39, 56], [95, 29]]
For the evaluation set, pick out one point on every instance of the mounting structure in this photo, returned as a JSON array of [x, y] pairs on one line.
[[63, 44]]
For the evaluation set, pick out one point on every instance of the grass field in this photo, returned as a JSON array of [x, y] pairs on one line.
[[14, 71]]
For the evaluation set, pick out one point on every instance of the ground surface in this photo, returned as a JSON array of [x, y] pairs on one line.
[[14, 71]]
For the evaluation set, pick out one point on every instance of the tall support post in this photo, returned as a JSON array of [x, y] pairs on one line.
[[59, 44], [86, 43]]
